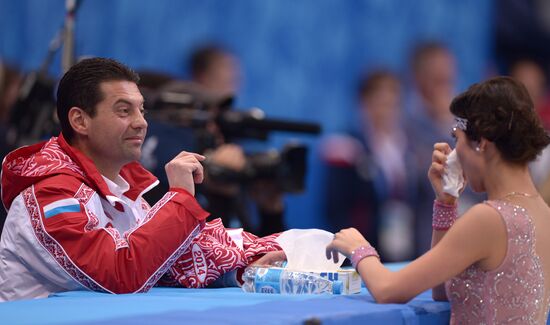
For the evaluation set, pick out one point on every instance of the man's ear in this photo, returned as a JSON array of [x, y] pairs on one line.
[[79, 120]]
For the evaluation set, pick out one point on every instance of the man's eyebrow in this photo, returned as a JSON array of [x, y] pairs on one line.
[[125, 101]]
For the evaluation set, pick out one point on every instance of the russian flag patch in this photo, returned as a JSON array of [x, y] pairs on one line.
[[61, 206]]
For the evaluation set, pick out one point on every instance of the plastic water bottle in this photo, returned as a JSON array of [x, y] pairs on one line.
[[279, 280]]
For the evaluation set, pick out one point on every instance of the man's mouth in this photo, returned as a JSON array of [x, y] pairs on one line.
[[136, 138]]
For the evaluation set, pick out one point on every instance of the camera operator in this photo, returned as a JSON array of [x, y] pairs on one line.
[[218, 71], [215, 80]]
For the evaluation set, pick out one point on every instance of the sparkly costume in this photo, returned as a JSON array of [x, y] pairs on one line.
[[512, 293]]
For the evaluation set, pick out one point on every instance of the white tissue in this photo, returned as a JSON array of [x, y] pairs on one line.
[[453, 179], [305, 250]]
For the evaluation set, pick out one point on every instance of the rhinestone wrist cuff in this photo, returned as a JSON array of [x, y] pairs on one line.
[[362, 252], [444, 215]]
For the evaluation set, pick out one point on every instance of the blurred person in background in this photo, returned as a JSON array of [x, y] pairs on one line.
[[218, 71], [10, 82], [522, 33], [369, 181], [532, 76], [434, 74], [434, 79], [215, 81]]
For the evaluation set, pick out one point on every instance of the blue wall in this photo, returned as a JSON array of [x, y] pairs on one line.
[[301, 58]]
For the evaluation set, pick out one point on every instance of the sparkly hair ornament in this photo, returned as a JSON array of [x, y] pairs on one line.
[[461, 123]]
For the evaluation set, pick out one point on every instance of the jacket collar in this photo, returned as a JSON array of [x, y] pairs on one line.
[[139, 179]]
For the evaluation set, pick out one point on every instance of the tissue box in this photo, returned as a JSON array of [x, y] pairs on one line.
[[351, 281], [288, 281]]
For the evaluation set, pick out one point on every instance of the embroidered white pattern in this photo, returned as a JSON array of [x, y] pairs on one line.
[[120, 242], [52, 246], [219, 253], [83, 195], [145, 205], [170, 261], [151, 213], [51, 158]]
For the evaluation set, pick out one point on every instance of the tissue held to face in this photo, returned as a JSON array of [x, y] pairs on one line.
[[470, 160], [453, 179], [446, 174]]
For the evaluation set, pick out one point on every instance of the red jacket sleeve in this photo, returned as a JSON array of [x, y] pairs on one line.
[[90, 255]]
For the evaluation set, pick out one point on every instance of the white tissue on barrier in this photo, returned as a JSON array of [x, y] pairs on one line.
[[305, 250]]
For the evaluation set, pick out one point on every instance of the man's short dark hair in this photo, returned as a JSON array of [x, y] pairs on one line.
[[423, 52], [80, 87], [372, 82], [202, 58]]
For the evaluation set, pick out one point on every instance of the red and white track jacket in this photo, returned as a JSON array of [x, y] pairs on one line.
[[61, 234]]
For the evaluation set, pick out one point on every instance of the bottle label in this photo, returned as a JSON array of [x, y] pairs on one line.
[[269, 274], [265, 287], [267, 280], [278, 280]]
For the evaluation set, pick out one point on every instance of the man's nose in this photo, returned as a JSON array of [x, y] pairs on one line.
[[139, 121]]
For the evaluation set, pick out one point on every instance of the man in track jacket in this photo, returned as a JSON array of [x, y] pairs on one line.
[[77, 219]]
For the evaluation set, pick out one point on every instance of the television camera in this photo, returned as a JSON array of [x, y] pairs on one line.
[[212, 117]]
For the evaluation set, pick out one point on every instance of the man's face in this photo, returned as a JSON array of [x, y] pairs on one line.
[[223, 77], [117, 130], [382, 106], [436, 79]]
